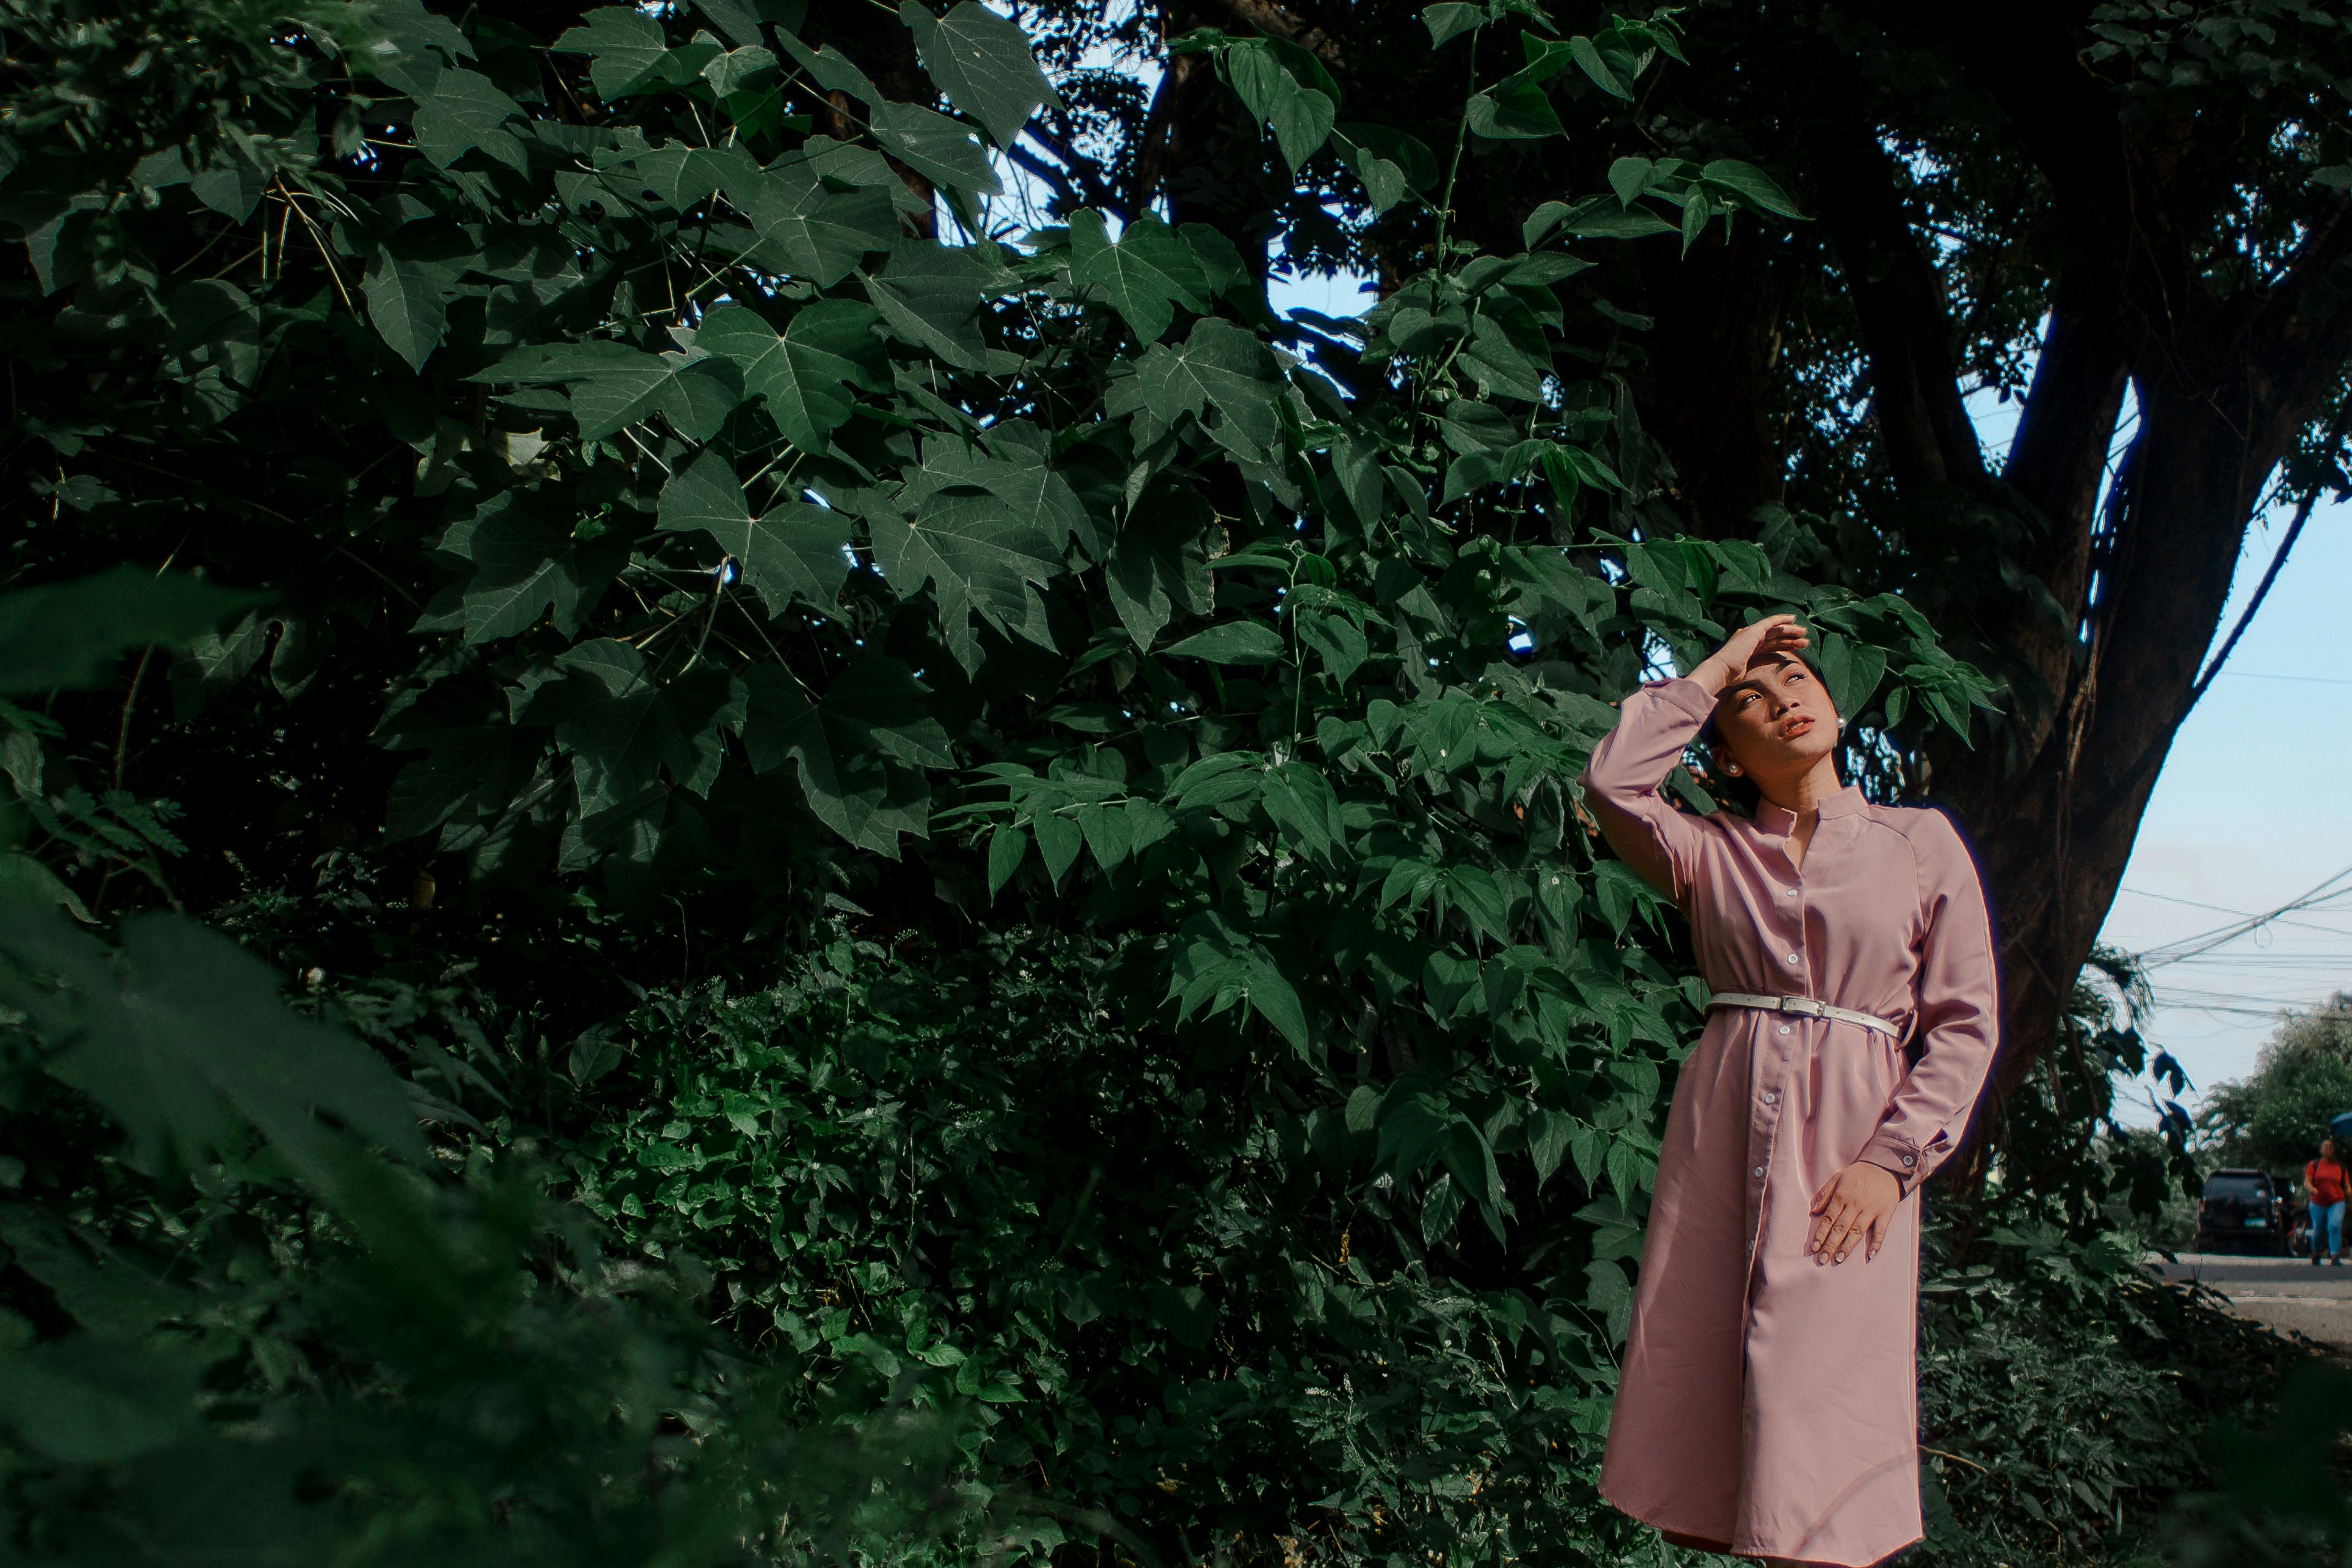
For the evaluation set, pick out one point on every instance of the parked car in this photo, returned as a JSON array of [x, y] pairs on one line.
[[2243, 1211]]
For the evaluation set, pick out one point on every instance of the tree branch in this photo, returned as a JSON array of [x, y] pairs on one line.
[[1275, 21], [1898, 296], [2333, 439]]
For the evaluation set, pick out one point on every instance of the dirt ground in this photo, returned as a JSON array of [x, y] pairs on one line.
[[2287, 1293]]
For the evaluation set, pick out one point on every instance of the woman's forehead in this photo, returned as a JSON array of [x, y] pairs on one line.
[[1764, 664]]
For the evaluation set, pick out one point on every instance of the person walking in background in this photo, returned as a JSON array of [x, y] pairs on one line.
[[2323, 1187]]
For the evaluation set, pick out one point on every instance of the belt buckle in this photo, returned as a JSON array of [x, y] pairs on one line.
[[1803, 1006]]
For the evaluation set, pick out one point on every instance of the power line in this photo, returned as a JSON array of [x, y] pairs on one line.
[[2225, 910], [2205, 942]]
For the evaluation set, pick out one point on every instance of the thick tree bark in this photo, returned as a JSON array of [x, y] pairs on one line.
[[1706, 390], [1924, 429]]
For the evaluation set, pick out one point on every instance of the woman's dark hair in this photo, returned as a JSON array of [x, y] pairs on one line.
[[1738, 788]]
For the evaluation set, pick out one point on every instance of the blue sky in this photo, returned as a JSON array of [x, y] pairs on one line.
[[2248, 813]]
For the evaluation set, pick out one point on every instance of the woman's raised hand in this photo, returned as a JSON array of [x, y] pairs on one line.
[[1772, 635]]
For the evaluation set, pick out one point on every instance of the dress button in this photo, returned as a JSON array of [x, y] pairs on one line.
[[1784, 1028], [1792, 958], [1909, 1161], [1759, 1170], [1770, 1097]]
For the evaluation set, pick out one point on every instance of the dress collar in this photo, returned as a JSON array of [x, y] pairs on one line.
[[1779, 820]]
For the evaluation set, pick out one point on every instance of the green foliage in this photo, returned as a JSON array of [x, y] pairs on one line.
[[2060, 1388], [2281, 1496], [1154, 1041], [331, 1353], [2302, 1082], [944, 1179]]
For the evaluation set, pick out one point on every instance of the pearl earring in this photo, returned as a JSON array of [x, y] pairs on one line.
[[1731, 767]]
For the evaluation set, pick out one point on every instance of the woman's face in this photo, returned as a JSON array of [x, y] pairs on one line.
[[1776, 718]]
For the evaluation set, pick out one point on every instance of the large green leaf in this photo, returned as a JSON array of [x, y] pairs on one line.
[[1219, 366], [465, 111], [528, 561], [1160, 564], [931, 294], [982, 61], [1300, 117], [465, 765], [1028, 485], [683, 174], [802, 227], [181, 1037], [624, 726], [806, 372], [631, 54], [979, 555], [1751, 186], [858, 751], [938, 148], [611, 386], [1234, 642], [89, 1402], [1515, 109], [1146, 273], [406, 302], [795, 548]]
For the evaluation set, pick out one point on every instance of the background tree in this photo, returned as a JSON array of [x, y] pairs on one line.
[[2302, 1081]]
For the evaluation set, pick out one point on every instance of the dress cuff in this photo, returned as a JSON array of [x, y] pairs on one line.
[[1685, 694], [1899, 1156]]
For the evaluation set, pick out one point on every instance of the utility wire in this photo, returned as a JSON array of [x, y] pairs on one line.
[[2242, 914], [2206, 942]]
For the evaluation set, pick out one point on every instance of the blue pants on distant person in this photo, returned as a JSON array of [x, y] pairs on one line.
[[2326, 1229]]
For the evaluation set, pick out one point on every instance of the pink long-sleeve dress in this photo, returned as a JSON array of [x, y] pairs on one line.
[[1767, 1401]]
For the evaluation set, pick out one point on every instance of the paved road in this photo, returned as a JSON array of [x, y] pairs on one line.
[[2287, 1293]]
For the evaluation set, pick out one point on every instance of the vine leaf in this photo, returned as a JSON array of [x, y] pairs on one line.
[[982, 61], [1146, 271], [527, 563], [804, 373], [611, 386], [795, 548]]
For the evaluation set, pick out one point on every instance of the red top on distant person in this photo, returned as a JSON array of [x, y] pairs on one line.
[[2326, 1179]]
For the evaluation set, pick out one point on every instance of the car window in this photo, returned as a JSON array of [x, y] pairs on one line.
[[2238, 1189]]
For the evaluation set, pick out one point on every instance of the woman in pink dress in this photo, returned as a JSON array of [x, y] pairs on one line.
[[1769, 1401]]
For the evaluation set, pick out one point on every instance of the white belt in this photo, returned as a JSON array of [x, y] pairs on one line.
[[1804, 1006]]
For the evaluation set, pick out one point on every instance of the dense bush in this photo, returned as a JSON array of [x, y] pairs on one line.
[[2066, 1395]]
